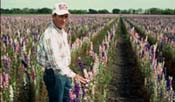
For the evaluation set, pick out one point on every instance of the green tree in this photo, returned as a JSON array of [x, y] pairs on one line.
[[33, 11], [25, 10], [168, 11], [16, 10], [139, 11], [116, 11], [5, 11], [131, 11], [124, 12], [78, 11], [104, 11], [44, 10], [92, 11], [155, 11]]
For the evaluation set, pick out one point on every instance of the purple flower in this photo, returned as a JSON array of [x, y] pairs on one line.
[[26, 58], [24, 41], [77, 89], [80, 63], [103, 54], [76, 100], [4, 39], [168, 83], [159, 77], [164, 71], [161, 93], [7, 64], [83, 91], [141, 53], [147, 46], [35, 36]]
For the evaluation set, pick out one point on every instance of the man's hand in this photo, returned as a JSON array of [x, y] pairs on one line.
[[80, 78]]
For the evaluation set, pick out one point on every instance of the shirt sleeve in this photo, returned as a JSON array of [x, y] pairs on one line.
[[52, 48]]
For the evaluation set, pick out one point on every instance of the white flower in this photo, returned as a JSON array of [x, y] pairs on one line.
[[11, 93]]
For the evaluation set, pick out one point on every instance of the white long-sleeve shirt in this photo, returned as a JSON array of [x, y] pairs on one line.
[[53, 50]]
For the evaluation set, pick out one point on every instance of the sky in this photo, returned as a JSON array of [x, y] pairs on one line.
[[93, 4]]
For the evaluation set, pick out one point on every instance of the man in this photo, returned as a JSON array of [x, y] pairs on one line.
[[53, 53]]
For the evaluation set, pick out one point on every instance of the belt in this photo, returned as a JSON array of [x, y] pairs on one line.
[[56, 71]]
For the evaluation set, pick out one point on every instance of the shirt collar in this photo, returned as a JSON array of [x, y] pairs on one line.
[[57, 29]]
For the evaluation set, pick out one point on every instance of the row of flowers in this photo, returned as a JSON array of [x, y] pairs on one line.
[[152, 67], [159, 29], [91, 65]]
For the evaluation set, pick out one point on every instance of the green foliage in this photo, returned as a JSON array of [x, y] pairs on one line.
[[124, 12], [103, 79], [151, 39], [168, 53], [104, 11], [168, 11], [26, 11], [159, 11], [90, 11], [78, 11], [100, 36], [116, 11], [154, 11], [44, 10]]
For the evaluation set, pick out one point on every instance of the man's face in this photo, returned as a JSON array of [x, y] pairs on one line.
[[60, 20]]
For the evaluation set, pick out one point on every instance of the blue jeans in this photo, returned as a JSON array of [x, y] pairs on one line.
[[57, 85]]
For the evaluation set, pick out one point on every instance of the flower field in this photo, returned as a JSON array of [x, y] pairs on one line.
[[93, 40]]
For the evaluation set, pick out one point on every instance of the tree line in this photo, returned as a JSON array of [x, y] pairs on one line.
[[89, 11]]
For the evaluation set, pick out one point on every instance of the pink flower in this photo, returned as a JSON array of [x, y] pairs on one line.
[[91, 46], [1, 80], [159, 69], [94, 70], [17, 48], [71, 95], [154, 73], [104, 58], [90, 75], [33, 74], [6, 82]]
